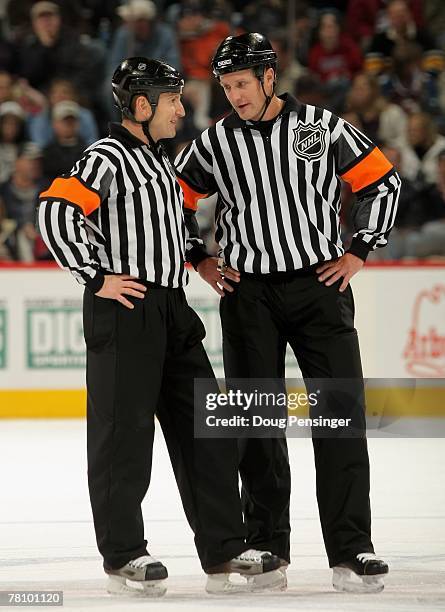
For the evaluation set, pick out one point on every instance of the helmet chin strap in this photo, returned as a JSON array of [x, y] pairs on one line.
[[146, 128], [268, 99], [145, 124]]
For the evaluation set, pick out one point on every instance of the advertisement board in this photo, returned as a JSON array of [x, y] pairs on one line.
[[400, 317]]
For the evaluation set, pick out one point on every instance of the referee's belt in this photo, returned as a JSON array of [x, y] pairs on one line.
[[282, 277]]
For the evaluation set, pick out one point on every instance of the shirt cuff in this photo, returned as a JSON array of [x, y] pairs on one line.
[[96, 282], [196, 255], [359, 248]]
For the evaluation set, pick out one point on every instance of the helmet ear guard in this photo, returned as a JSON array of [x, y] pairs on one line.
[[261, 69]]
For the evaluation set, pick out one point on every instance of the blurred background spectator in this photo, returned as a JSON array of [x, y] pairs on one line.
[[434, 12], [263, 16], [380, 120], [406, 82], [400, 28], [419, 227], [289, 68], [335, 58], [140, 34], [66, 146], [200, 31], [309, 90], [430, 240], [54, 50], [366, 18], [18, 198], [18, 90], [377, 63], [421, 149], [40, 126], [12, 136]]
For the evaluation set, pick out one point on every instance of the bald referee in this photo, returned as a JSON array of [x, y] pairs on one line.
[[276, 166]]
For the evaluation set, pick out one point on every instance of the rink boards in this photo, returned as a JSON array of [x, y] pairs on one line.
[[400, 317]]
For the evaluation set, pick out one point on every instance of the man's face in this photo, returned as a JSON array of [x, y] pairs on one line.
[[399, 15], [29, 168], [11, 125], [361, 92], [47, 25], [60, 92], [66, 128], [243, 91], [329, 32], [168, 113], [141, 27]]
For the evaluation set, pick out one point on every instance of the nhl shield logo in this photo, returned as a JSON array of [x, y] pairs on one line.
[[309, 140]]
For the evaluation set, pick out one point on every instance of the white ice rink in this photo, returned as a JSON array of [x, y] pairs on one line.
[[47, 539]]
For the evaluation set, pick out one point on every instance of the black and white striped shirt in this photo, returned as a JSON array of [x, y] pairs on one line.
[[120, 210], [278, 185]]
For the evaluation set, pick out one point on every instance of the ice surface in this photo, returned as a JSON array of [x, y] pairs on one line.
[[47, 538]]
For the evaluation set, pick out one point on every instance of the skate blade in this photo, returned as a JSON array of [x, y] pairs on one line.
[[221, 584], [347, 581], [118, 585], [271, 581], [226, 584]]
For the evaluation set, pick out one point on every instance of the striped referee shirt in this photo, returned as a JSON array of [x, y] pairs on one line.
[[278, 185], [120, 211]]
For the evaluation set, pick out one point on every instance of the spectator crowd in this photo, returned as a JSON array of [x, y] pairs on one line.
[[380, 64]]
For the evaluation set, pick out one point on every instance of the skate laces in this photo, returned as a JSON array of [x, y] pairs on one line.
[[252, 555], [142, 561], [363, 557]]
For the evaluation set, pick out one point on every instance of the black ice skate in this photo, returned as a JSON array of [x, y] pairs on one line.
[[259, 571], [362, 574], [141, 577]]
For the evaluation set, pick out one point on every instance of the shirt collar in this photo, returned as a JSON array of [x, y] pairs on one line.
[[120, 133], [291, 104]]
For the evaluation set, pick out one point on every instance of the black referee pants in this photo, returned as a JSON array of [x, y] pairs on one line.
[[258, 319], [140, 363]]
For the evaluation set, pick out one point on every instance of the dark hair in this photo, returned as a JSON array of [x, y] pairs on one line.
[[21, 132]]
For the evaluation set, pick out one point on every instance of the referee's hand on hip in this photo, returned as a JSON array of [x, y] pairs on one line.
[[342, 268], [208, 270], [116, 286]]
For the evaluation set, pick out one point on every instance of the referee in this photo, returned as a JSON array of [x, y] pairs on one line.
[[116, 222], [276, 166]]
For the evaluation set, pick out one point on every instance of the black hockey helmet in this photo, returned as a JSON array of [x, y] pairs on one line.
[[140, 75], [250, 50]]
